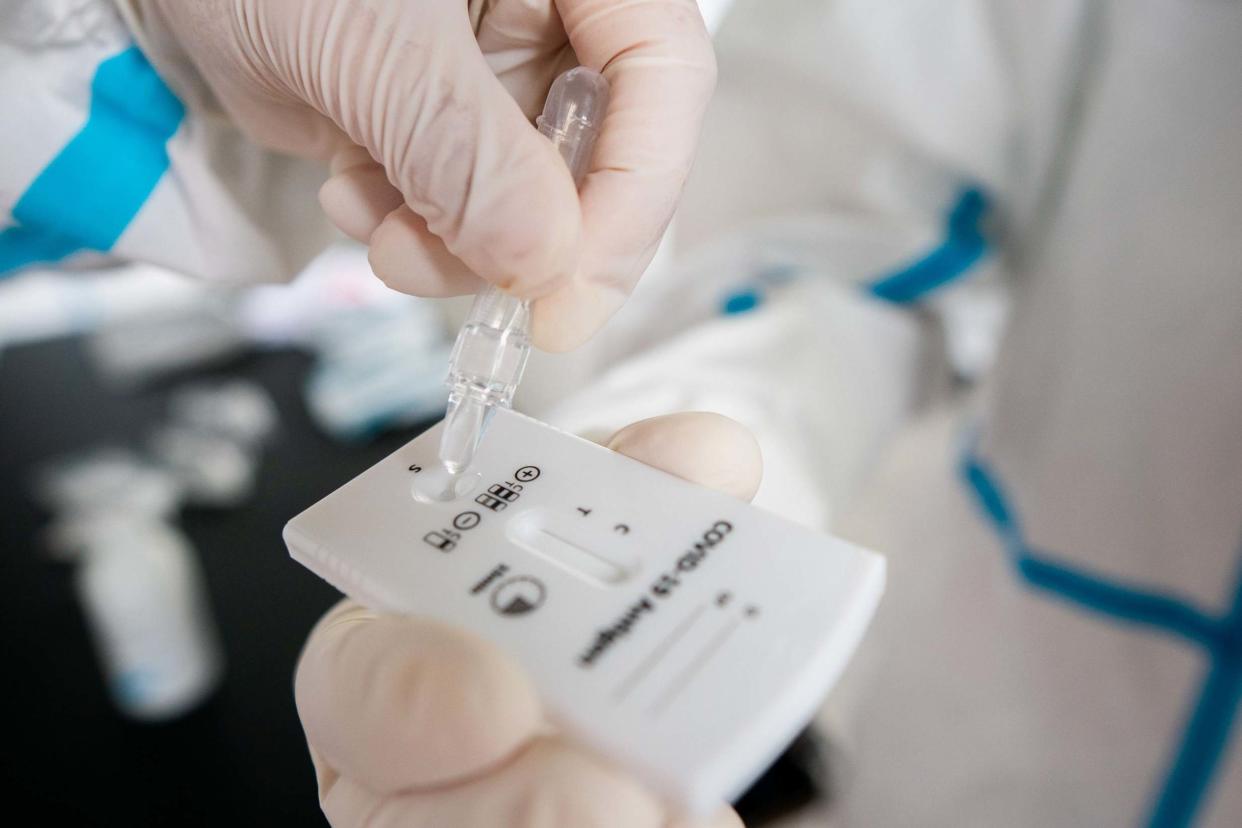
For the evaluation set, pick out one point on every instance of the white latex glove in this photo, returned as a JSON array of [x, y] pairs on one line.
[[424, 108], [413, 723]]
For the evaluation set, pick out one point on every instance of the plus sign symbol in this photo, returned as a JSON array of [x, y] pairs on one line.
[[526, 474]]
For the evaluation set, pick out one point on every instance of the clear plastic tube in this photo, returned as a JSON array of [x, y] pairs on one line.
[[494, 343]]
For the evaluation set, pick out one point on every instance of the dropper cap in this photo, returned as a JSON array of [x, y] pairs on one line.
[[572, 117], [490, 354]]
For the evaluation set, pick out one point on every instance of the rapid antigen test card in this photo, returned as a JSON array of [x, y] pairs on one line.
[[680, 632]]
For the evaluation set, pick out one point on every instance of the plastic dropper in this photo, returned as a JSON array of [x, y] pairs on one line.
[[492, 347]]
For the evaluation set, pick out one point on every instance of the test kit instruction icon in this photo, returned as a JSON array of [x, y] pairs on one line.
[[518, 596], [444, 541], [466, 521]]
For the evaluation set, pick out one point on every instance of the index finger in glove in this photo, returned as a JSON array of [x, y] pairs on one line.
[[407, 82], [658, 59]]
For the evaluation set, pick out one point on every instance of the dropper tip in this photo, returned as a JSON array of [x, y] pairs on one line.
[[464, 424]]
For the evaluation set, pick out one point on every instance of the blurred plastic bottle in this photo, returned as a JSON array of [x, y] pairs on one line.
[[138, 581], [141, 590]]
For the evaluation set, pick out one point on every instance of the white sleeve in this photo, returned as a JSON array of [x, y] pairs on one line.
[[889, 129], [107, 156], [852, 167]]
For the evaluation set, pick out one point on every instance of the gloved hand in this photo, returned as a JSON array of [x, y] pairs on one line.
[[413, 723], [424, 108]]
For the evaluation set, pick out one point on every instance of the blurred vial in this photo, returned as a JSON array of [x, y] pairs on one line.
[[142, 594], [238, 409], [108, 479], [211, 469], [137, 579]]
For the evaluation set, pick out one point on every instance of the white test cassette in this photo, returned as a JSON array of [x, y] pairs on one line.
[[682, 633]]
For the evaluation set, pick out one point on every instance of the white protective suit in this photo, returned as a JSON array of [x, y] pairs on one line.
[[84, 104], [1061, 641], [125, 135]]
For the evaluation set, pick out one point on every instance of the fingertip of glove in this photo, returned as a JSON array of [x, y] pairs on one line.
[[357, 200], [494, 707], [700, 446], [400, 702], [569, 316]]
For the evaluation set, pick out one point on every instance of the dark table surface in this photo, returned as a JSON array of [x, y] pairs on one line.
[[239, 759]]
